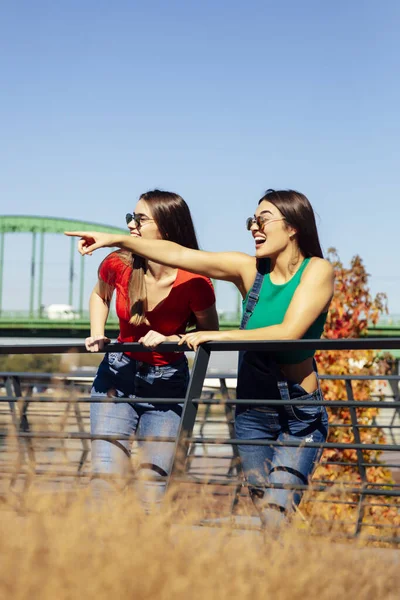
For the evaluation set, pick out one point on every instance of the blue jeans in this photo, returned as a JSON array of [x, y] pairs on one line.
[[119, 376], [266, 465]]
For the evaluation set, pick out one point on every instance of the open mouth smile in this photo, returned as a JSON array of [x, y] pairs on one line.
[[259, 241]]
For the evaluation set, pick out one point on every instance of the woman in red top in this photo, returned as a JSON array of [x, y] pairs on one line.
[[154, 304]]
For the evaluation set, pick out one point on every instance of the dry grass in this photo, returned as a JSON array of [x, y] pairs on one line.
[[62, 546], [55, 547]]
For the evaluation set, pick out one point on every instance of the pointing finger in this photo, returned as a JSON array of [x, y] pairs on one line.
[[79, 233]]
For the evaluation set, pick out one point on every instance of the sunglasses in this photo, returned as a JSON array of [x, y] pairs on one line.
[[260, 221], [137, 218]]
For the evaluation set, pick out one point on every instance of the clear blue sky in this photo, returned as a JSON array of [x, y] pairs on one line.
[[216, 100]]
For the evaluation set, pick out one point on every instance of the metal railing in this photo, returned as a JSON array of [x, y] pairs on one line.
[[206, 450]]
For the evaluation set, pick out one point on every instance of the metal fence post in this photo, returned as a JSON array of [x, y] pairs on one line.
[[360, 458], [189, 413], [235, 466], [14, 389]]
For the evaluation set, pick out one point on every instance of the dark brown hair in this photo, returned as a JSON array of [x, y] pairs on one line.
[[173, 219], [298, 213]]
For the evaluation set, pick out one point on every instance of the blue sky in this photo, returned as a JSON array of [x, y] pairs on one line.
[[217, 101]]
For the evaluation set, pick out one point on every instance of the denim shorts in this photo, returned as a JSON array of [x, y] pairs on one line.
[[119, 376], [132, 378]]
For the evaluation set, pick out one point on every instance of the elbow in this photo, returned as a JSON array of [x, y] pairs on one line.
[[290, 332], [211, 326]]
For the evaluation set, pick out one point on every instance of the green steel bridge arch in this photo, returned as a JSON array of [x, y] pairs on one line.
[[38, 227]]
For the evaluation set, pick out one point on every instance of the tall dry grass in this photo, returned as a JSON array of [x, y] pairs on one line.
[[64, 547]]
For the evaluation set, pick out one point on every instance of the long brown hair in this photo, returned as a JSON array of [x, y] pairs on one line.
[[298, 213], [174, 221]]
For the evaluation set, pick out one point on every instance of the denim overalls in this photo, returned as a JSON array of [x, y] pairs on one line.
[[259, 377]]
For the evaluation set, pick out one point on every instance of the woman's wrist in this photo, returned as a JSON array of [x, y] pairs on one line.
[[120, 241], [174, 338]]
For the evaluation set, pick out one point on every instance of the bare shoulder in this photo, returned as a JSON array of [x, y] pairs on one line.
[[318, 269]]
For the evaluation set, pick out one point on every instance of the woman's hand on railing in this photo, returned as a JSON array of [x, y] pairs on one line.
[[153, 339], [193, 340], [95, 343]]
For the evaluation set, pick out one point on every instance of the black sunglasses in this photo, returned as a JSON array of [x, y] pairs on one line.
[[138, 218], [261, 221]]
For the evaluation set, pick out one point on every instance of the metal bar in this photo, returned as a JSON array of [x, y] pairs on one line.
[[172, 347], [392, 343], [2, 236], [71, 272], [189, 412], [396, 413], [360, 457], [330, 404], [300, 487], [85, 445], [192, 450], [362, 427], [41, 266], [12, 400], [32, 286], [235, 465], [25, 428], [293, 444], [212, 441], [109, 400], [81, 286], [367, 465], [12, 387]]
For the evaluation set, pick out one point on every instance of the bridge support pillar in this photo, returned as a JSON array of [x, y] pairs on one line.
[[71, 273], [41, 262], [2, 234], [82, 285], [33, 263]]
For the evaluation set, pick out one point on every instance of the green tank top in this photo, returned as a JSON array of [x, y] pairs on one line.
[[271, 308]]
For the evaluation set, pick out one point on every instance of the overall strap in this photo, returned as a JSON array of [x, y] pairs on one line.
[[253, 296], [252, 300]]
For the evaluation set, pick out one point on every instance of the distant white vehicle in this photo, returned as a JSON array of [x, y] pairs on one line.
[[63, 312]]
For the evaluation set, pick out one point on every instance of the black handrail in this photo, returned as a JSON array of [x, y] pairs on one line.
[[392, 343]]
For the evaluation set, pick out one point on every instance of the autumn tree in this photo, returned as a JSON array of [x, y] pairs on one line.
[[351, 311]]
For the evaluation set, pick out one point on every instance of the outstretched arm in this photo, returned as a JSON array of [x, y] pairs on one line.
[[237, 267], [311, 298]]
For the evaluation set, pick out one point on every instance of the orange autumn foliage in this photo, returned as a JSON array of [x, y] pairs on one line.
[[351, 310]]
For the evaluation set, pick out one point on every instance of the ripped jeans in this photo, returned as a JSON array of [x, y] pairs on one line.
[[280, 464], [120, 376]]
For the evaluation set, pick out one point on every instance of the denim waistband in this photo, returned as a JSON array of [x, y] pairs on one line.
[[145, 367]]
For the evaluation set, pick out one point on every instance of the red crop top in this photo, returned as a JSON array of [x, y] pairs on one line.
[[190, 293]]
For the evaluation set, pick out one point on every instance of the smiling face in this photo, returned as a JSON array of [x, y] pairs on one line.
[[270, 231], [148, 227]]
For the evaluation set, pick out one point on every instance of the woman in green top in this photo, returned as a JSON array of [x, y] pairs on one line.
[[286, 288]]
